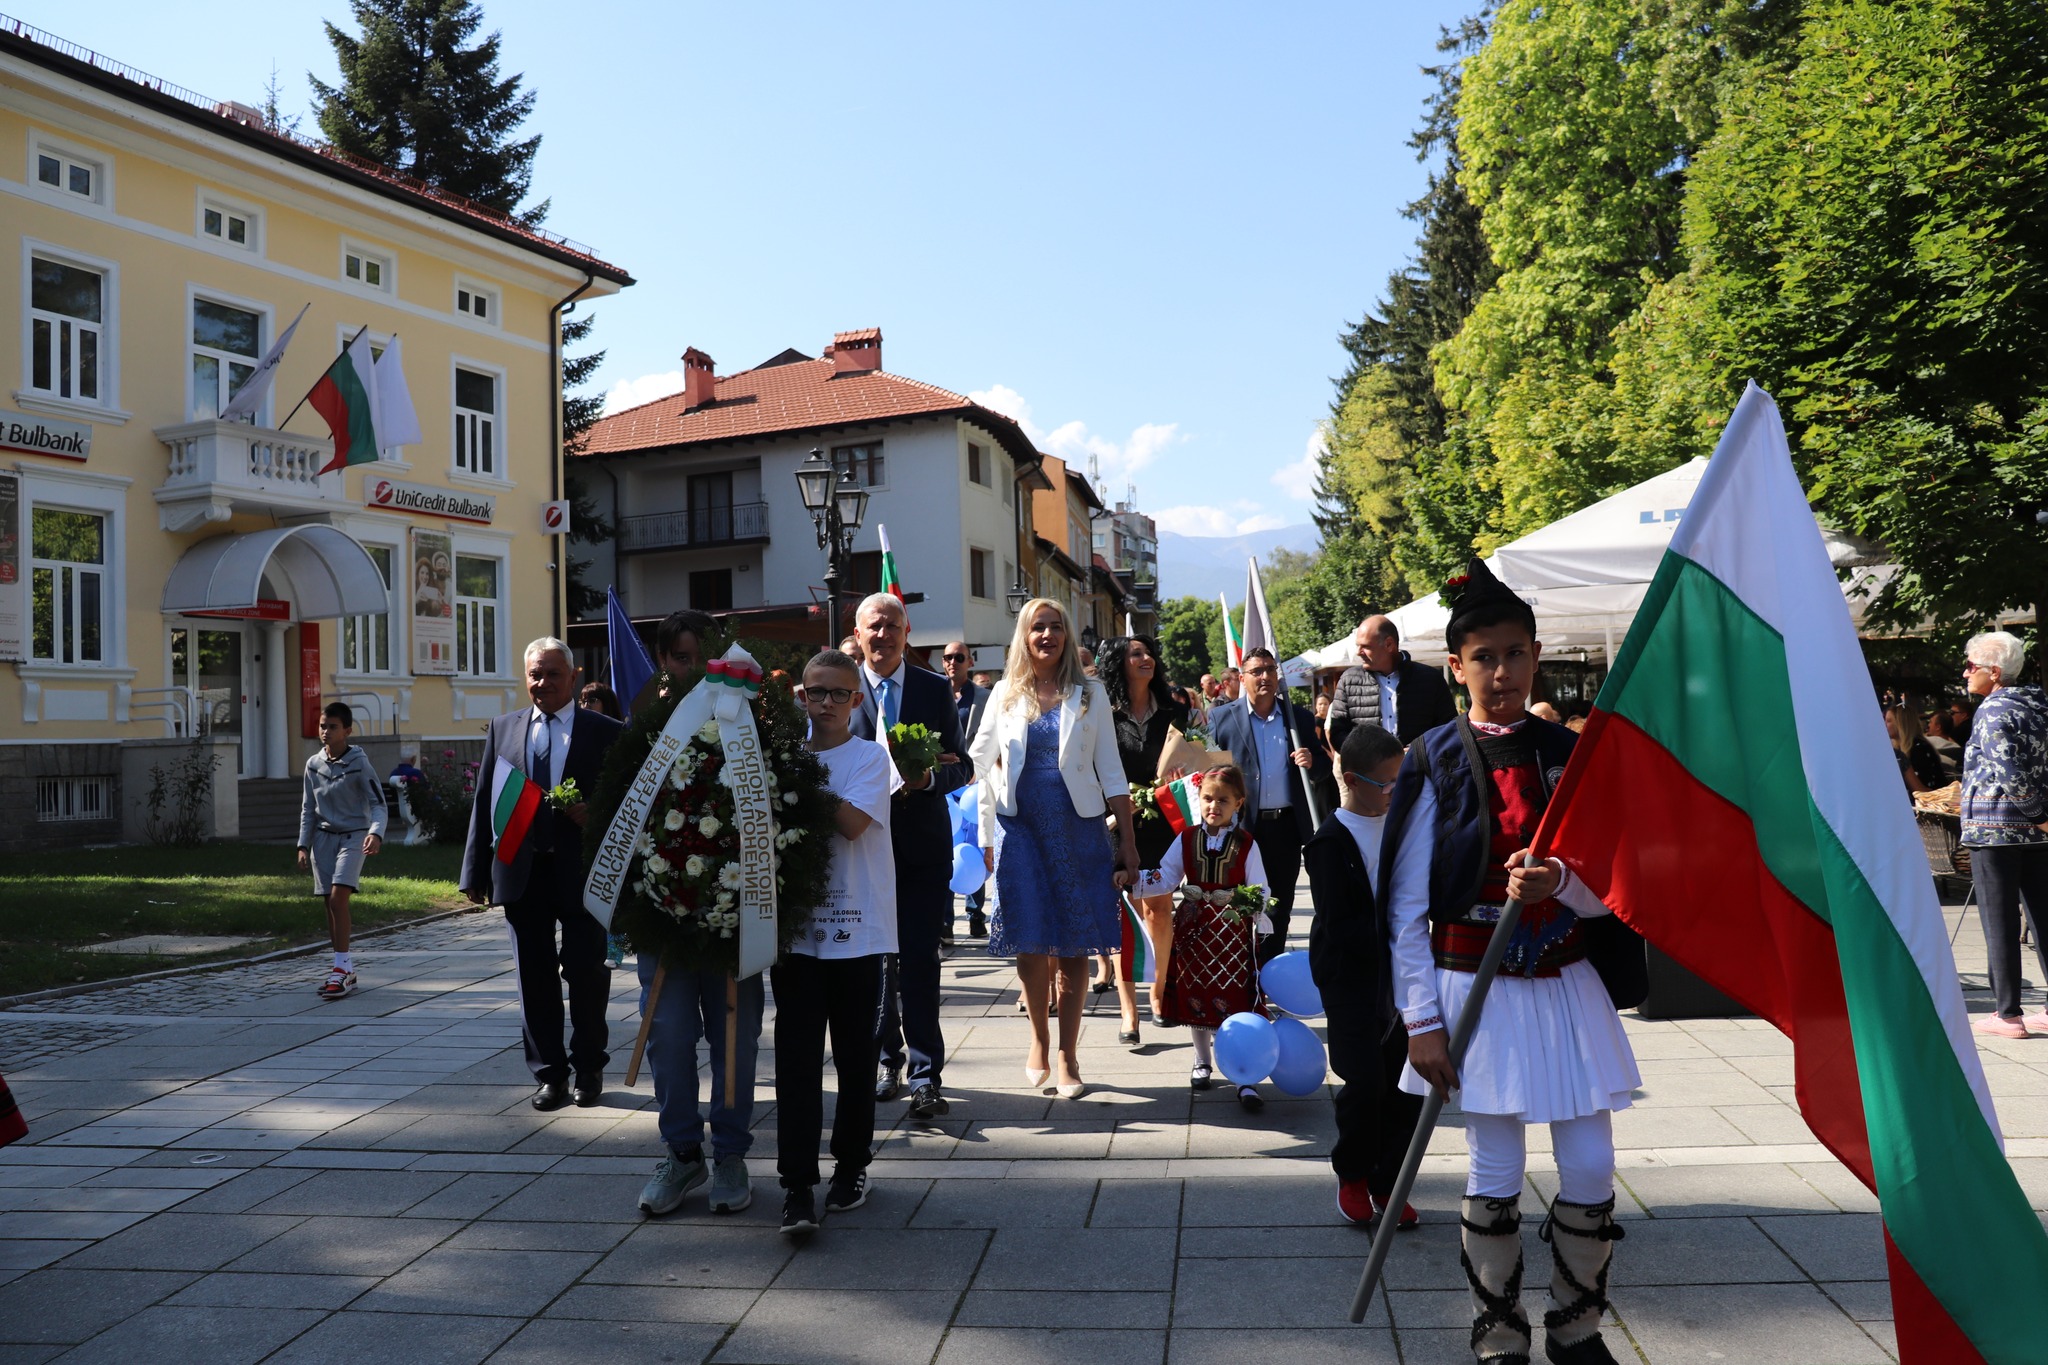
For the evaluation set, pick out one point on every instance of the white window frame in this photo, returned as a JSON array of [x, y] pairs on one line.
[[103, 495], [469, 547], [221, 204], [492, 296], [498, 478], [367, 625], [987, 472], [384, 256], [41, 144], [266, 332], [107, 405]]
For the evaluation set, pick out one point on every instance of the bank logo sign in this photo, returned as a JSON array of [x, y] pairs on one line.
[[42, 436], [391, 495]]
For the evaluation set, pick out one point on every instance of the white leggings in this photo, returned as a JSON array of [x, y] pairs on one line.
[[1584, 1148]]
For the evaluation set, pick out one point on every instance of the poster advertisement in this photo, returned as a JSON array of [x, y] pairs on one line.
[[433, 602], [13, 589]]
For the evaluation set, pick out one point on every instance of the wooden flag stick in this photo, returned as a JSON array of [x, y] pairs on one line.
[[732, 1041], [646, 1021]]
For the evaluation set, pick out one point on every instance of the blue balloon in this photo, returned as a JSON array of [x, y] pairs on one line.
[[1290, 985], [1301, 1067], [966, 807], [968, 870], [1247, 1047]]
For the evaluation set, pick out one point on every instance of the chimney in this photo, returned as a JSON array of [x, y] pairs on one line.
[[700, 378], [856, 352]]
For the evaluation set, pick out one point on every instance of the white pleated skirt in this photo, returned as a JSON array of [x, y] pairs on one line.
[[1548, 1048]]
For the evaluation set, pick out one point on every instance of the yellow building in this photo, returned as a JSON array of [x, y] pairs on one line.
[[166, 575]]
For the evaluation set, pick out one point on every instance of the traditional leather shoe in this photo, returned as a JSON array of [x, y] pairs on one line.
[[888, 1082], [551, 1095], [589, 1090]]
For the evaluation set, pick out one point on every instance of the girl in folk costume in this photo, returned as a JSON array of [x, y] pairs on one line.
[[1213, 971], [1549, 1046]]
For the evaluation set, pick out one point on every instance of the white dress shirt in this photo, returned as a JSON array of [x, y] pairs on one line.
[[561, 724]]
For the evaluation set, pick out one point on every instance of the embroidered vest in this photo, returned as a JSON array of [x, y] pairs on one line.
[[1222, 870]]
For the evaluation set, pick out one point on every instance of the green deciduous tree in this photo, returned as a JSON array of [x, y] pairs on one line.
[[579, 412], [419, 96], [1185, 624]]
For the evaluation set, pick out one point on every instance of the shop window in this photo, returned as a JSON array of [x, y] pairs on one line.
[[226, 344], [476, 423], [67, 586], [476, 616], [67, 312], [366, 640]]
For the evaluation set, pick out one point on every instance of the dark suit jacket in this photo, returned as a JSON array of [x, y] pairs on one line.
[[1230, 727], [1349, 952], [920, 825], [589, 737], [977, 702]]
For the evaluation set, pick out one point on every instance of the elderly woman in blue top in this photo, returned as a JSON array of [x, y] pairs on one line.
[[2005, 819]]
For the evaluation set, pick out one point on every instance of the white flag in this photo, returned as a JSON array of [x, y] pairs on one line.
[[397, 422], [245, 400], [1258, 627]]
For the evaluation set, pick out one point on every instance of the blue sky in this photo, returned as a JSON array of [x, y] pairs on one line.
[[1139, 228]]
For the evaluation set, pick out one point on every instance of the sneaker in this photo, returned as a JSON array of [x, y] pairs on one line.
[[338, 984], [2035, 1023], [927, 1103], [1409, 1219], [1354, 1201], [1201, 1076], [799, 1212], [674, 1177], [1249, 1099], [1995, 1025], [731, 1191], [847, 1192]]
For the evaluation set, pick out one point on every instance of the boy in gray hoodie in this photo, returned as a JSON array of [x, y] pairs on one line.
[[341, 821]]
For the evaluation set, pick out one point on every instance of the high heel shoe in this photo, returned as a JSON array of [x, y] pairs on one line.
[[1074, 1091], [1035, 1076]]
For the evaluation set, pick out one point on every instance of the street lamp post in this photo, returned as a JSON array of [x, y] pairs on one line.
[[837, 507]]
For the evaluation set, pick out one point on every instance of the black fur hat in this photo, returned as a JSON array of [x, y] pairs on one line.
[[1477, 599]]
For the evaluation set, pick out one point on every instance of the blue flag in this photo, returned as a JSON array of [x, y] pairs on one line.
[[631, 668]]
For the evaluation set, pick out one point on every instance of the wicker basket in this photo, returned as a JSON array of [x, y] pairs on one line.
[[1942, 834]]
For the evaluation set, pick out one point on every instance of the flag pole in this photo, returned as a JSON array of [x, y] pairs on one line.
[[1433, 1105], [646, 1021], [316, 384]]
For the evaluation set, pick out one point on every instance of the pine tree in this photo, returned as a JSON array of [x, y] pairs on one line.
[[579, 412], [417, 96]]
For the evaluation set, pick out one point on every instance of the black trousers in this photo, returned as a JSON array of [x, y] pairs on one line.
[[544, 968], [2004, 876], [814, 996], [1375, 1117], [1279, 844], [907, 1032]]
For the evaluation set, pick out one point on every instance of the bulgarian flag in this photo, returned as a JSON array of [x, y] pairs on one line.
[[515, 800], [890, 582], [1735, 799], [1177, 803], [346, 397], [1137, 960], [1233, 643]]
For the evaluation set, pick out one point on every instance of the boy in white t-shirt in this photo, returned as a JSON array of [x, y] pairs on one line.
[[832, 977]]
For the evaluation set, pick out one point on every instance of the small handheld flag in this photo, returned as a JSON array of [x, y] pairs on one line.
[[1233, 643], [890, 582], [1140, 965], [1177, 803], [515, 800]]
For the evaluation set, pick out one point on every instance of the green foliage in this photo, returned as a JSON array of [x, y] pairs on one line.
[[1185, 624], [442, 796], [417, 95], [579, 412], [178, 797]]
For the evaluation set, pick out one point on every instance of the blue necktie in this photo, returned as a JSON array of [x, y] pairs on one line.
[[541, 767], [887, 687]]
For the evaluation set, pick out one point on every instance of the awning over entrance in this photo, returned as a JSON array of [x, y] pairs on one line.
[[330, 574]]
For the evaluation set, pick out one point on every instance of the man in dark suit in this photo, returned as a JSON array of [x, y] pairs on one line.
[[552, 741], [1349, 955], [970, 699], [1277, 770], [893, 692]]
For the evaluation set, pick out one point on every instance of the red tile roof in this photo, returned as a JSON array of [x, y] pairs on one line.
[[790, 397]]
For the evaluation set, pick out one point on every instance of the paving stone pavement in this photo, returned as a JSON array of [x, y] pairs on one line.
[[222, 1168]]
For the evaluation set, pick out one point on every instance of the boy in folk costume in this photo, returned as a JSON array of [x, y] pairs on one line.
[[1549, 1047]]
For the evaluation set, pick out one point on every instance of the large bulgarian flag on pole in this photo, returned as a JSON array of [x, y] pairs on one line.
[[346, 397], [1233, 643], [1735, 799]]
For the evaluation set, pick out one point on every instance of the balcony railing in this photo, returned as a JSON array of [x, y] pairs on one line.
[[698, 527], [220, 468]]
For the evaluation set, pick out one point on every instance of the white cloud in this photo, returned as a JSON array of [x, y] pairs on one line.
[[1119, 461], [1240, 518], [631, 393], [1298, 480]]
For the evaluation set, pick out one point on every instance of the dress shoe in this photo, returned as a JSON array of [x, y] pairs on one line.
[[925, 1103], [888, 1082], [977, 925], [551, 1095], [589, 1091], [1034, 1076]]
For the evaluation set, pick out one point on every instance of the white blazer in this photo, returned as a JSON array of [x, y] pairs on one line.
[[1089, 761]]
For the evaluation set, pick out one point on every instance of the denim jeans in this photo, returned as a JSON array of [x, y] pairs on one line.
[[692, 1007]]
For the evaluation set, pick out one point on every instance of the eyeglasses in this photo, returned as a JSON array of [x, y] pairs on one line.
[[837, 696], [1972, 666], [1372, 781]]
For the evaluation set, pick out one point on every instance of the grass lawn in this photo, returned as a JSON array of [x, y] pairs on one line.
[[52, 903]]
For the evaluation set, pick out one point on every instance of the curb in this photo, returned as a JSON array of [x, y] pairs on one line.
[[84, 987]]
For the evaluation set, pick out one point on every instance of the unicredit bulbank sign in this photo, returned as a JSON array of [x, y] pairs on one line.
[[41, 436], [392, 496]]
